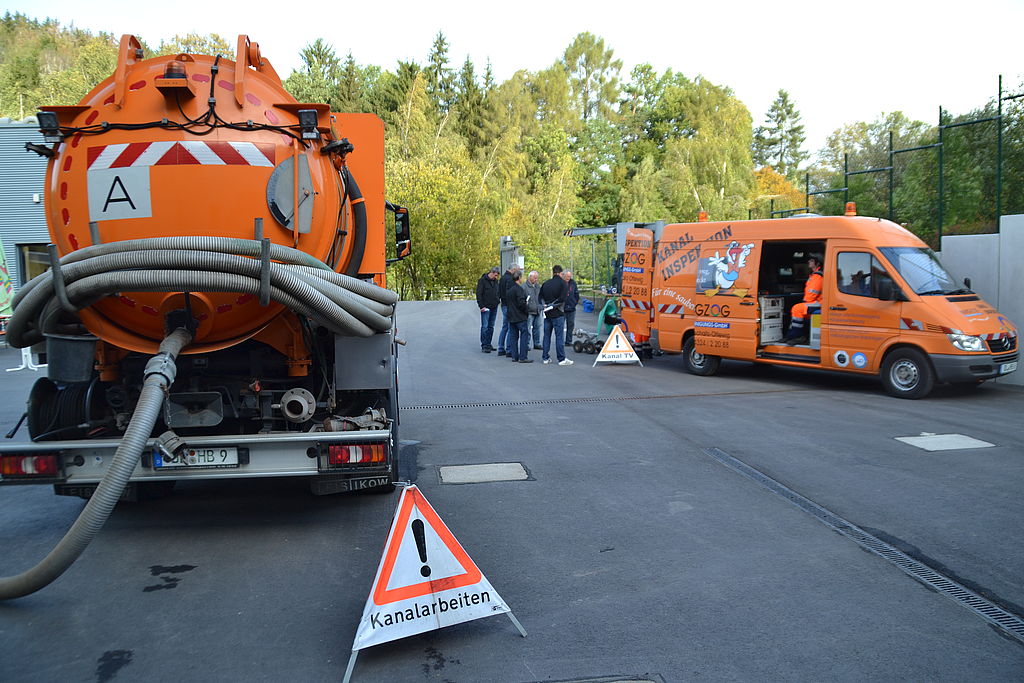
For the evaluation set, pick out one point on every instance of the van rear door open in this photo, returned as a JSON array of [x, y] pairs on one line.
[[725, 299]]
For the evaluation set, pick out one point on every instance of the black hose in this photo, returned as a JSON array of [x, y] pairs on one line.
[[355, 197]]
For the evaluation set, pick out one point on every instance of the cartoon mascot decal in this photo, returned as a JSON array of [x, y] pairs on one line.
[[728, 267]]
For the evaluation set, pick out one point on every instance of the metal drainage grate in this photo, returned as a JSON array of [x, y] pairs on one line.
[[590, 399], [990, 612]]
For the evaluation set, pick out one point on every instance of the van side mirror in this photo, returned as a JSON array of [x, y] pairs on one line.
[[888, 291], [403, 233], [967, 282]]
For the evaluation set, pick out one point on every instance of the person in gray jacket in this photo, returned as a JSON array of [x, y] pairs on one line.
[[532, 288]]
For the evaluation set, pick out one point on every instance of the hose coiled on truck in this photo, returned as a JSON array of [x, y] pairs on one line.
[[160, 373], [345, 305]]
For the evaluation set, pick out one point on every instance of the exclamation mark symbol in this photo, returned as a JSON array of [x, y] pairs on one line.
[[421, 545]]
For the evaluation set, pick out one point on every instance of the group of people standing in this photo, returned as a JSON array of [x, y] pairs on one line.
[[525, 308]]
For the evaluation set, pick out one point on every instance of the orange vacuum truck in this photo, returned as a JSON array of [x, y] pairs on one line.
[[216, 304], [887, 307]]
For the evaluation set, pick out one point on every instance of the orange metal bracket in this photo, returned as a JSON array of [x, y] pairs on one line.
[[126, 56], [287, 338], [248, 54]]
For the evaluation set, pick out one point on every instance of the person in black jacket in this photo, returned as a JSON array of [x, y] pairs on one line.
[[487, 302], [503, 285], [552, 296], [518, 313], [572, 298]]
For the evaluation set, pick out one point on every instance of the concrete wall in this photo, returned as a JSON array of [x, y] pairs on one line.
[[975, 257], [995, 264]]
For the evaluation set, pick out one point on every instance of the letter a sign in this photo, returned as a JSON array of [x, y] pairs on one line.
[[425, 581]]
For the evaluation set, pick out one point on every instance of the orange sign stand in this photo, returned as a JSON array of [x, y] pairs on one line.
[[617, 349], [425, 581]]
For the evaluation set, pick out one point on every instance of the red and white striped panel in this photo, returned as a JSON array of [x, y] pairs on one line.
[[175, 153], [670, 309], [636, 304], [998, 335]]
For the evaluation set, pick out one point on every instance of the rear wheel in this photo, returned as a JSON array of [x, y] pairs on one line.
[[699, 363], [906, 373], [577, 346]]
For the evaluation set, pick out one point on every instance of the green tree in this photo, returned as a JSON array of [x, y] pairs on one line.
[[440, 78], [351, 86], [860, 146], [470, 108], [197, 44], [593, 76], [317, 80], [779, 143]]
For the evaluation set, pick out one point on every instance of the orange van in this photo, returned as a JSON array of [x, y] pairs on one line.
[[888, 307]]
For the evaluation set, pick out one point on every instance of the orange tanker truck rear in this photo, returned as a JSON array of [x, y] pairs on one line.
[[200, 213], [844, 293]]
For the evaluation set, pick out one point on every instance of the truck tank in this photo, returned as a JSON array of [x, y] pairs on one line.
[[194, 191], [197, 145]]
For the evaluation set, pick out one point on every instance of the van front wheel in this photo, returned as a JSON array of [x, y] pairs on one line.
[[906, 373], [699, 363]]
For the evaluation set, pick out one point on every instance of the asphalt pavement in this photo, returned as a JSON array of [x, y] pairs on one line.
[[631, 552]]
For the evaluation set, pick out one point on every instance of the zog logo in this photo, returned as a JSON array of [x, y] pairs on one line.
[[712, 310], [636, 258]]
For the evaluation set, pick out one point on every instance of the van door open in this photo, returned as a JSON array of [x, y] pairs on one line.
[[725, 300], [856, 323]]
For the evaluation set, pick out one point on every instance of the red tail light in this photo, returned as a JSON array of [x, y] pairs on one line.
[[356, 454], [28, 466]]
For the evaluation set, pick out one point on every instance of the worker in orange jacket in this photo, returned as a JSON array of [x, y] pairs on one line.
[[801, 312]]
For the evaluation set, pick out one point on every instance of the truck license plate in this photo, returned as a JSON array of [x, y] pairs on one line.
[[1007, 367], [219, 457]]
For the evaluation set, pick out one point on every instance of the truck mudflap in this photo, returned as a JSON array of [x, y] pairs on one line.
[[343, 461]]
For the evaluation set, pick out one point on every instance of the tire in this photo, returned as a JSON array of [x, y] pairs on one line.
[[696, 363], [590, 348], [577, 346], [907, 373]]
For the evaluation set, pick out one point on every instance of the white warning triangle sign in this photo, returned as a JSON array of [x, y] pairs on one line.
[[617, 349], [425, 580]]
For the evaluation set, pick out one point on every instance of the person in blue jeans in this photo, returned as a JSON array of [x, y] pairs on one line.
[[518, 338], [503, 285], [572, 298], [487, 302], [552, 293], [536, 321]]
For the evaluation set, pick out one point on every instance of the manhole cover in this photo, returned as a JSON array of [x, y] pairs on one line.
[[944, 442], [477, 474]]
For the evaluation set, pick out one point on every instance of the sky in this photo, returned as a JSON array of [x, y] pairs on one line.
[[840, 62]]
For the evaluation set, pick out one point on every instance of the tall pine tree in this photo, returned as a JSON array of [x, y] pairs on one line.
[[779, 142]]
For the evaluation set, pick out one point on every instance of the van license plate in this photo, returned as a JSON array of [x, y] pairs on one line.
[[1007, 367], [197, 459]]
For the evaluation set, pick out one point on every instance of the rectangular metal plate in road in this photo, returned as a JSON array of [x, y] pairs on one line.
[[944, 442], [477, 474]]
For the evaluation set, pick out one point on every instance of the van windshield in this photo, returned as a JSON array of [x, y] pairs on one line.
[[922, 270]]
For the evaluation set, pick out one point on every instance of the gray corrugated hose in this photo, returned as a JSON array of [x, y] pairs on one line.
[[160, 374], [345, 305]]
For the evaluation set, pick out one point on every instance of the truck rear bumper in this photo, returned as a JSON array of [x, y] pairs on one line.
[[950, 368], [259, 455]]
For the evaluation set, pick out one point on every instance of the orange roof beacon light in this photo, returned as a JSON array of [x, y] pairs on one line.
[[851, 209], [702, 217]]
